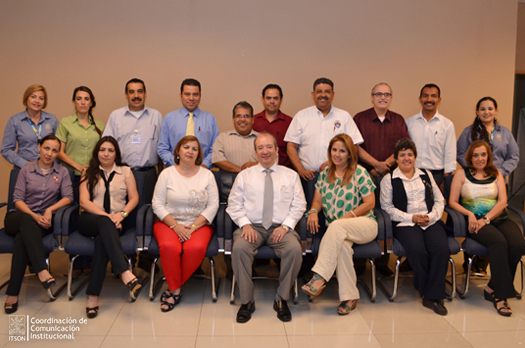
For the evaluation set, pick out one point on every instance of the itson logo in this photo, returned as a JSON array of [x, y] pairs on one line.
[[25, 328]]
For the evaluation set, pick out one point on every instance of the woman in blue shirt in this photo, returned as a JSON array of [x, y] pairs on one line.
[[26, 128]]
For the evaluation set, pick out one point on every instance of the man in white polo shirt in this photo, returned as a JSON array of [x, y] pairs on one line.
[[311, 131]]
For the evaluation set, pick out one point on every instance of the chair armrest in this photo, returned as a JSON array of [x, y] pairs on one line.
[[3, 204], [387, 235], [520, 214], [229, 227], [69, 219], [141, 220], [219, 220], [458, 222]]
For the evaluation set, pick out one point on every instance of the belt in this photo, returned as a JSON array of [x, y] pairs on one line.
[[143, 169]]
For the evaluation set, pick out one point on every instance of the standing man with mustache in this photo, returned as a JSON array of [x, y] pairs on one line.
[[381, 129], [273, 120], [434, 136], [312, 129], [136, 128], [189, 120]]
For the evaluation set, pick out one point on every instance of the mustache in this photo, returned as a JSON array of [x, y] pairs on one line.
[[322, 98], [137, 99]]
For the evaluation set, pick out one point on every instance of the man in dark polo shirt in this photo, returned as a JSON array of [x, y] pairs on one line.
[[272, 120], [381, 129]]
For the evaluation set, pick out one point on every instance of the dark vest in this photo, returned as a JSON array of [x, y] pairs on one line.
[[399, 195]]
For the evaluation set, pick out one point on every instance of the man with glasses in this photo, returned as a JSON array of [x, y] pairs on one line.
[[189, 120], [381, 129], [233, 150]]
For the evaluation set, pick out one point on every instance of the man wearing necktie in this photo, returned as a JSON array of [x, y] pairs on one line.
[[266, 202], [189, 120]]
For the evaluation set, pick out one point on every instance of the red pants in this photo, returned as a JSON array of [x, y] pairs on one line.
[[181, 259]]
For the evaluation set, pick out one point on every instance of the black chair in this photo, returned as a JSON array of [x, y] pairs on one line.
[[52, 241], [212, 251]]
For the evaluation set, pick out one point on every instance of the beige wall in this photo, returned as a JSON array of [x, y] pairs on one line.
[[520, 40], [234, 48]]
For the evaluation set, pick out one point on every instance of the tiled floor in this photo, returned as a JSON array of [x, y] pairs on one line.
[[198, 322]]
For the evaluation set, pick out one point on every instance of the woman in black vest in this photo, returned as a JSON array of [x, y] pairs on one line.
[[415, 204]]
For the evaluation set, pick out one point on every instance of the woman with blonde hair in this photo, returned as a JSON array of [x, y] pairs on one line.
[[345, 192]]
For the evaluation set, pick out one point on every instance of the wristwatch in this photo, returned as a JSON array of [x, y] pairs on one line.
[[487, 220], [124, 214], [286, 228]]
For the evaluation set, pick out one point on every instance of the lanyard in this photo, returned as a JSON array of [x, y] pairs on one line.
[[33, 125]]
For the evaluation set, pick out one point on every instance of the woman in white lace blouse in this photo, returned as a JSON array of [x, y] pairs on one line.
[[186, 200]]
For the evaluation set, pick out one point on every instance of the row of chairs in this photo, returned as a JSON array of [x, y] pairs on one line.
[[138, 236]]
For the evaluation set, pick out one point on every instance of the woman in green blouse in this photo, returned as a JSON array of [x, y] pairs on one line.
[[345, 192], [79, 133]]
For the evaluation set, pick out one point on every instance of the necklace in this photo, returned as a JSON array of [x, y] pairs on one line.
[[45, 170], [339, 176]]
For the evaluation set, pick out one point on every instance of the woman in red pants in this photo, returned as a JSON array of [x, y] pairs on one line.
[[186, 200]]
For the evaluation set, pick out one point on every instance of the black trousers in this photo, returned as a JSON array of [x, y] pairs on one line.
[[504, 241], [28, 246], [107, 248], [428, 254]]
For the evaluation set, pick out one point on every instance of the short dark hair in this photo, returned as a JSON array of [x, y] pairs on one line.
[[323, 80], [135, 80], [404, 144], [430, 85], [190, 82], [242, 104], [50, 137], [272, 86]]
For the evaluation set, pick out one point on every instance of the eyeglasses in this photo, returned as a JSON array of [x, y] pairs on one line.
[[242, 116], [379, 95]]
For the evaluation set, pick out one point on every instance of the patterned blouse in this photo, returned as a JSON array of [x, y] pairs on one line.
[[479, 196], [339, 201]]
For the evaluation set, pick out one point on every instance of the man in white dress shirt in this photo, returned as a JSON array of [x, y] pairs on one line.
[[266, 202], [434, 136], [312, 129]]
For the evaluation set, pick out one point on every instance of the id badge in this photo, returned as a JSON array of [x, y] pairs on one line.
[[135, 138]]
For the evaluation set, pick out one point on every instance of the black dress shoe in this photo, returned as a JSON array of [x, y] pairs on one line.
[[283, 312], [436, 305], [245, 312]]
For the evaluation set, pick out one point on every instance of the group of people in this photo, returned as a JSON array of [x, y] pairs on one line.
[[269, 161]]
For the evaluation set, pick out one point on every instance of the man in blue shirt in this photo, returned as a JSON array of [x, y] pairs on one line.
[[189, 120]]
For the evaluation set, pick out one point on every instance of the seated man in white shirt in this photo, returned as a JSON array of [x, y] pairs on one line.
[[266, 202]]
